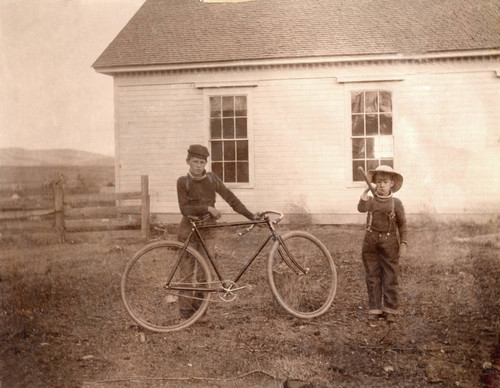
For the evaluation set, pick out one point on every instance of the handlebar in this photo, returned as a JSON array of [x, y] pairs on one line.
[[246, 230], [277, 220], [262, 215]]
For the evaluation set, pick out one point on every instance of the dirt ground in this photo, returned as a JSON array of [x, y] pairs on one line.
[[62, 323]]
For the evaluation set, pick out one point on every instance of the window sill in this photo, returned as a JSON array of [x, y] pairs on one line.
[[356, 185], [239, 185]]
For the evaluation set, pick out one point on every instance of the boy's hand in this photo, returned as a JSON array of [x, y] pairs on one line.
[[374, 187], [402, 250], [364, 196], [214, 212], [256, 216]]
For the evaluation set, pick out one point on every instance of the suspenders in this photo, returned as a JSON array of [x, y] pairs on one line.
[[391, 215]]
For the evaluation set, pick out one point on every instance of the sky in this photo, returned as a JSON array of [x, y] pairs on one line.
[[50, 96]]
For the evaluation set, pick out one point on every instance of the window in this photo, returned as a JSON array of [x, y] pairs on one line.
[[229, 138], [371, 130]]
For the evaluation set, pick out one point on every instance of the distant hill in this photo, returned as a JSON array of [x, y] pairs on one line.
[[62, 157]]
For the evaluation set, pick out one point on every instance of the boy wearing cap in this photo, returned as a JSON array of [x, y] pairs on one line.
[[384, 243], [196, 193]]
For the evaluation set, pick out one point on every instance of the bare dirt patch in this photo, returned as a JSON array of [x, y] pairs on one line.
[[62, 323]]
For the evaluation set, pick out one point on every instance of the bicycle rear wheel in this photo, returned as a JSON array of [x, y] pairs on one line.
[[304, 295], [146, 296]]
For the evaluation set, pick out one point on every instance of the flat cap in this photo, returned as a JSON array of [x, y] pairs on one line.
[[199, 151]]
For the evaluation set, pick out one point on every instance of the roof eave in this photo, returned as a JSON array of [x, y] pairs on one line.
[[111, 70]]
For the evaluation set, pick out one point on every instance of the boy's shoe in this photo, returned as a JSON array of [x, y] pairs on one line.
[[374, 317], [390, 318]]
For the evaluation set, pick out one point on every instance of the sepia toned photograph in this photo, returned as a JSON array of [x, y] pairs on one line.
[[249, 193]]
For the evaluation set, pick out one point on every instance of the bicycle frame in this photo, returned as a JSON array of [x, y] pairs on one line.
[[168, 285], [195, 230]]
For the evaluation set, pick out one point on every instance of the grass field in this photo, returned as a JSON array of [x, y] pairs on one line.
[[62, 323], [28, 180]]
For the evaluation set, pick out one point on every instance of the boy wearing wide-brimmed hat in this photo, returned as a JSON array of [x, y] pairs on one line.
[[385, 242], [196, 193]]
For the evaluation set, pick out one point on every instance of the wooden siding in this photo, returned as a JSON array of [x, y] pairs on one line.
[[300, 143], [449, 136], [155, 124], [446, 130]]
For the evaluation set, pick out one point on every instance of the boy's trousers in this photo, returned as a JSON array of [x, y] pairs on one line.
[[190, 271], [380, 255]]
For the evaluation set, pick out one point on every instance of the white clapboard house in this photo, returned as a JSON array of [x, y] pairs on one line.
[[291, 96]]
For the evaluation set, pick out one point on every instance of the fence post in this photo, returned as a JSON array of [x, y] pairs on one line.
[[145, 206], [59, 209]]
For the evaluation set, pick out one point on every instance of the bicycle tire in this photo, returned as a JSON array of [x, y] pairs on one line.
[[143, 290], [302, 295]]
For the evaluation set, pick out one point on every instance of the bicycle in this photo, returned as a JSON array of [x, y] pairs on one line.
[[300, 271]]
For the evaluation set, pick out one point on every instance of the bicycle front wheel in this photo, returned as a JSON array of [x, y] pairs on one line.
[[302, 274], [163, 293]]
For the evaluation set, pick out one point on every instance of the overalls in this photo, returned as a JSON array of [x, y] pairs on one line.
[[380, 255]]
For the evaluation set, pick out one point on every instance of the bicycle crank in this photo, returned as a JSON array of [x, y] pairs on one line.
[[228, 291]]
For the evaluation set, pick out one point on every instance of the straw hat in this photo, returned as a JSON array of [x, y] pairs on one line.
[[396, 177]]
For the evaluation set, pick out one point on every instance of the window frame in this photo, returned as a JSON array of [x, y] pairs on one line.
[[367, 87], [231, 91]]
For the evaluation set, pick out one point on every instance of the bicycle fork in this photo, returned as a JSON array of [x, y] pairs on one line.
[[289, 260]]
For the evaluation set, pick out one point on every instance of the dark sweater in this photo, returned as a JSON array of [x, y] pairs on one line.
[[195, 196], [381, 208]]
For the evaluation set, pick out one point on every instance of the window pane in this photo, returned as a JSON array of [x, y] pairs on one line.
[[228, 128], [370, 147], [215, 106], [228, 106], [215, 128], [383, 147], [242, 171], [240, 105], [356, 175], [229, 171], [229, 150], [228, 122], [358, 148], [371, 103], [357, 102], [372, 130], [385, 102], [386, 124], [242, 150], [217, 170], [241, 127], [371, 164], [371, 125], [216, 153], [358, 125]]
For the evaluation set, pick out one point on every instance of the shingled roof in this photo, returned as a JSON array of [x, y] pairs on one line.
[[174, 32]]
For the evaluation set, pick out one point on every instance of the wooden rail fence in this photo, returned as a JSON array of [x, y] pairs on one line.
[[85, 212]]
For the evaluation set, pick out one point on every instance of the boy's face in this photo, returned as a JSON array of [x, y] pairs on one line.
[[196, 165], [384, 184]]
